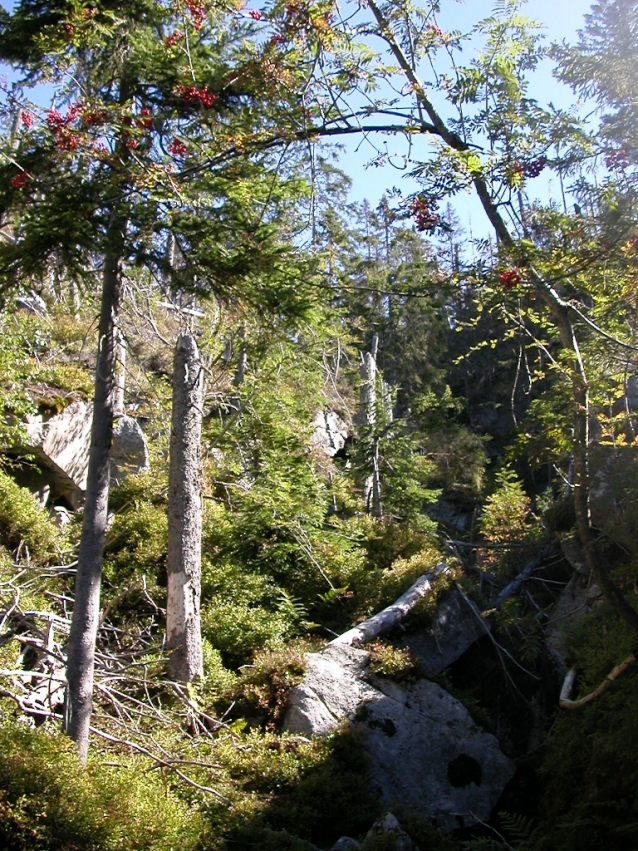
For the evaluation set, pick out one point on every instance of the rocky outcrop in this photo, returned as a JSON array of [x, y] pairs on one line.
[[330, 432], [129, 453], [425, 750], [454, 628], [60, 445]]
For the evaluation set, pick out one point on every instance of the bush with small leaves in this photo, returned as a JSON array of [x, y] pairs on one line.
[[22, 521], [49, 802]]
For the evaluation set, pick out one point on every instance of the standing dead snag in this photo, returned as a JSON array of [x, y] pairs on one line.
[[183, 626], [372, 484]]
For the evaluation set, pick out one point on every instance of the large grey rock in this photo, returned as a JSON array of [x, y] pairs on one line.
[[574, 554], [612, 502], [333, 689], [129, 453], [574, 603], [425, 749], [61, 446], [330, 432], [454, 628]]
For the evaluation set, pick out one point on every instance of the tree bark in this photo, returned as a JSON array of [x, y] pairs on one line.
[[183, 625], [119, 408], [372, 484], [86, 608]]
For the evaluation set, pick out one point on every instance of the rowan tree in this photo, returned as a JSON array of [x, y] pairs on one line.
[[140, 164]]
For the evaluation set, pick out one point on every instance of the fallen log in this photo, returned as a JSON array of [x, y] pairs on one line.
[[568, 684], [392, 616]]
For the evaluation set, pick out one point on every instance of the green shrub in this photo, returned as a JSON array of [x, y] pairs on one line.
[[389, 661], [23, 521], [48, 802], [263, 687], [135, 552], [242, 612], [293, 789]]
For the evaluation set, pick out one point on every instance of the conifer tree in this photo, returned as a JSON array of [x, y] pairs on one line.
[[104, 179]]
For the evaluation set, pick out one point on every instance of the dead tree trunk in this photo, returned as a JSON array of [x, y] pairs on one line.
[[86, 607], [183, 626], [119, 408], [368, 397]]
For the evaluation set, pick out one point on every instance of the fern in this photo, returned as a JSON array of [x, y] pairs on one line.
[[520, 831]]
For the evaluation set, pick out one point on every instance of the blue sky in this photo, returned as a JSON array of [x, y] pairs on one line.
[[560, 20]]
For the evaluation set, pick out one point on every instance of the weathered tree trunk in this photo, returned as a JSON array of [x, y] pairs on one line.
[[86, 608], [392, 615], [240, 375], [368, 397], [119, 408], [183, 626]]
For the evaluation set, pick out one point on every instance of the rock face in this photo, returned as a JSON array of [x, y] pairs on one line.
[[129, 453], [454, 629], [425, 750], [61, 445], [330, 432]]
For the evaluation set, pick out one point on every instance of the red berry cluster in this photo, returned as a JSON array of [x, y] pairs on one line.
[[197, 13], [27, 119], [192, 94], [144, 119], [59, 125], [617, 160], [534, 168], [277, 39], [434, 30], [423, 210], [510, 278], [19, 181], [177, 148], [173, 39], [94, 117], [256, 15]]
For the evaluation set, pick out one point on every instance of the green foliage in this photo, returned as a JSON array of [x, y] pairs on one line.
[[390, 661], [518, 834], [261, 689], [507, 520], [48, 802], [590, 774], [135, 559], [22, 521], [242, 611], [36, 371], [315, 791]]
